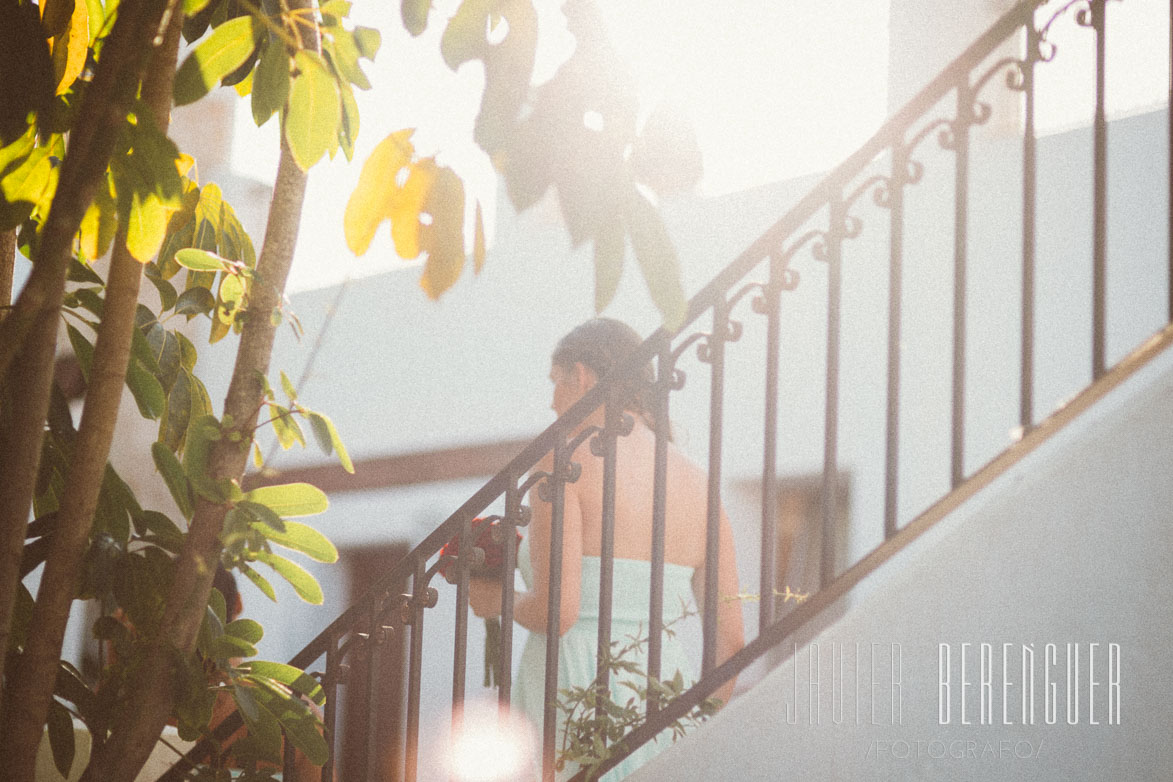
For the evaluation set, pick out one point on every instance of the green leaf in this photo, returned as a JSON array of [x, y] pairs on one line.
[[147, 391], [82, 349], [300, 724], [220, 54], [261, 582], [262, 513], [314, 112], [245, 629], [299, 578], [231, 646], [303, 538], [193, 7], [657, 260], [609, 248], [271, 84], [286, 428], [80, 272], [290, 499], [244, 701], [159, 524], [415, 15], [327, 436], [201, 261], [287, 385], [175, 478], [195, 301], [176, 413], [60, 727], [294, 678], [368, 40]]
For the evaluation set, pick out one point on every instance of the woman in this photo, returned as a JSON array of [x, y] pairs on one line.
[[581, 358]]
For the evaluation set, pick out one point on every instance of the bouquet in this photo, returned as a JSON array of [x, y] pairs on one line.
[[488, 535]]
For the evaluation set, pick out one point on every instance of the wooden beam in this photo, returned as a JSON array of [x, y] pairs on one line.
[[450, 464]]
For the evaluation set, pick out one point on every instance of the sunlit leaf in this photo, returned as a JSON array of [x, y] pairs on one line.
[[201, 260], [294, 678], [71, 45], [146, 226], [290, 499], [371, 201], [304, 584], [305, 539], [260, 581], [220, 54], [406, 206], [314, 111]]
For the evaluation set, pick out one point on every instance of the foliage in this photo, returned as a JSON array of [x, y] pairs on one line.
[[595, 724], [143, 197]]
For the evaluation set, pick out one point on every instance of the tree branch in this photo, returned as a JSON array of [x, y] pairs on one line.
[[29, 333], [154, 697], [31, 690]]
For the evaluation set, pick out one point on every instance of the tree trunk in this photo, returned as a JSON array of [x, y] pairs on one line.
[[131, 743], [29, 333], [31, 690], [7, 266]]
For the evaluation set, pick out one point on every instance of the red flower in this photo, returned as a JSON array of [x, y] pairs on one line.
[[488, 536]]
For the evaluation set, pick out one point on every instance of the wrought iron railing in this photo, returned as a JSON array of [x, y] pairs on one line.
[[384, 611]]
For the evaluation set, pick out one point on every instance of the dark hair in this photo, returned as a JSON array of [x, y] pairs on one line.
[[602, 343]]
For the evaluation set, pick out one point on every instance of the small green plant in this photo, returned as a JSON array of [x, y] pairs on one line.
[[595, 724]]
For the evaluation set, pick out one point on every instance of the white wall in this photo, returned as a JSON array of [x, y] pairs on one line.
[[1071, 546]]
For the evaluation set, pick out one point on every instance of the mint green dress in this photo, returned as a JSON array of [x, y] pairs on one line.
[[576, 650]]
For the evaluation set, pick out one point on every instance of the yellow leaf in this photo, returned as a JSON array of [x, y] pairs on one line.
[[98, 225], [443, 239], [146, 226], [184, 163], [371, 201], [406, 205], [478, 244], [70, 48]]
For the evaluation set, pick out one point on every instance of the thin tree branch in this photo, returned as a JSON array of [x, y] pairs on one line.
[[31, 691]]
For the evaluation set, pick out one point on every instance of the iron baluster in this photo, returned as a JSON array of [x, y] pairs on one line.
[[830, 249], [413, 613], [767, 304], [604, 445], [553, 491], [892, 197], [666, 376], [956, 137], [330, 717], [464, 560], [515, 516], [712, 352], [1029, 200], [1096, 12]]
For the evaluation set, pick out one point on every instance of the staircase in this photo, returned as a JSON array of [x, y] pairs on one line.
[[941, 535]]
